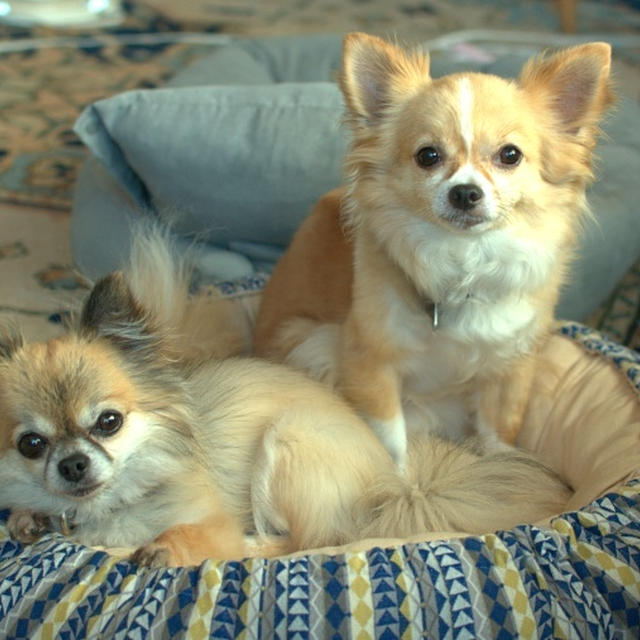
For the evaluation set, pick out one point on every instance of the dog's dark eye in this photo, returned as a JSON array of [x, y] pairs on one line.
[[428, 157], [108, 423], [32, 446], [510, 154]]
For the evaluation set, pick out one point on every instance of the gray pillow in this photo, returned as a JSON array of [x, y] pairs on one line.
[[245, 162], [241, 163]]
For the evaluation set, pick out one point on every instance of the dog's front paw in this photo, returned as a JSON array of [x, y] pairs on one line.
[[153, 555], [28, 526]]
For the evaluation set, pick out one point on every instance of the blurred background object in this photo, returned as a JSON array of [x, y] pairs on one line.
[[61, 13], [568, 10]]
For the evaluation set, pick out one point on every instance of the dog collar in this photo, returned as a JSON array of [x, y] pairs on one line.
[[431, 308]]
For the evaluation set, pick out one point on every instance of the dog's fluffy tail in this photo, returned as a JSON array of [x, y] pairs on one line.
[[200, 326], [455, 488]]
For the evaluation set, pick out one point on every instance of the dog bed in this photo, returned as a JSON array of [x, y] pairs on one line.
[[234, 160], [575, 577]]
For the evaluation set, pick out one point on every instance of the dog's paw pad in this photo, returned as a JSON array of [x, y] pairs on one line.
[[27, 526], [153, 556]]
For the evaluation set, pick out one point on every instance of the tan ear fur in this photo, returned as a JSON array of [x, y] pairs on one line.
[[10, 341], [574, 83], [375, 72], [112, 312]]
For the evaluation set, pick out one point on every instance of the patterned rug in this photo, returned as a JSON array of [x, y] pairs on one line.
[[49, 76]]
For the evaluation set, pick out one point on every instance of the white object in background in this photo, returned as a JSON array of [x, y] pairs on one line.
[[61, 13]]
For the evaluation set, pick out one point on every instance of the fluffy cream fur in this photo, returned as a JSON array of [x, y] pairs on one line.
[[210, 450]]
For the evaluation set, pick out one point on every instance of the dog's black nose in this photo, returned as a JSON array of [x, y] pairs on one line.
[[74, 467], [465, 196]]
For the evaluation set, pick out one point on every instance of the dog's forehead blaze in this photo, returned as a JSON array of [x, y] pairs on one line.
[[501, 113], [467, 114], [428, 118], [59, 378]]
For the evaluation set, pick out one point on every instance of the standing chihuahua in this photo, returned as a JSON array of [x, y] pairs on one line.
[[424, 288], [133, 431]]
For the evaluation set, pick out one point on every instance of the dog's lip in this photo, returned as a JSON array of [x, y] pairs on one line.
[[84, 492], [465, 220]]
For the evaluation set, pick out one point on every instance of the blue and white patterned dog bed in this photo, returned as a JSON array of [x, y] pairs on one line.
[[577, 578]]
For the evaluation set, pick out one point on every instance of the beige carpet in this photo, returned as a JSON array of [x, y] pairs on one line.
[[36, 280]]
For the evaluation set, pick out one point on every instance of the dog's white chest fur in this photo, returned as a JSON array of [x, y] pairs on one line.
[[482, 286], [472, 339]]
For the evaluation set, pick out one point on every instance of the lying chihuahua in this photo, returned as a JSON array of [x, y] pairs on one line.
[[127, 433]]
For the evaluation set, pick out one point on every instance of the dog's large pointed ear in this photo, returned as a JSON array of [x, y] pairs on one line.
[[376, 73], [112, 312], [574, 84]]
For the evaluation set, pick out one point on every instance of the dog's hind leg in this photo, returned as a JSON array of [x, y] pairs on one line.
[[310, 471]]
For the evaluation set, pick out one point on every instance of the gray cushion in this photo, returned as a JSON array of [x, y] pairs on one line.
[[244, 162]]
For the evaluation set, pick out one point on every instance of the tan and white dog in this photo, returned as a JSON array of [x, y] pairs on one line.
[[133, 431], [424, 288]]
